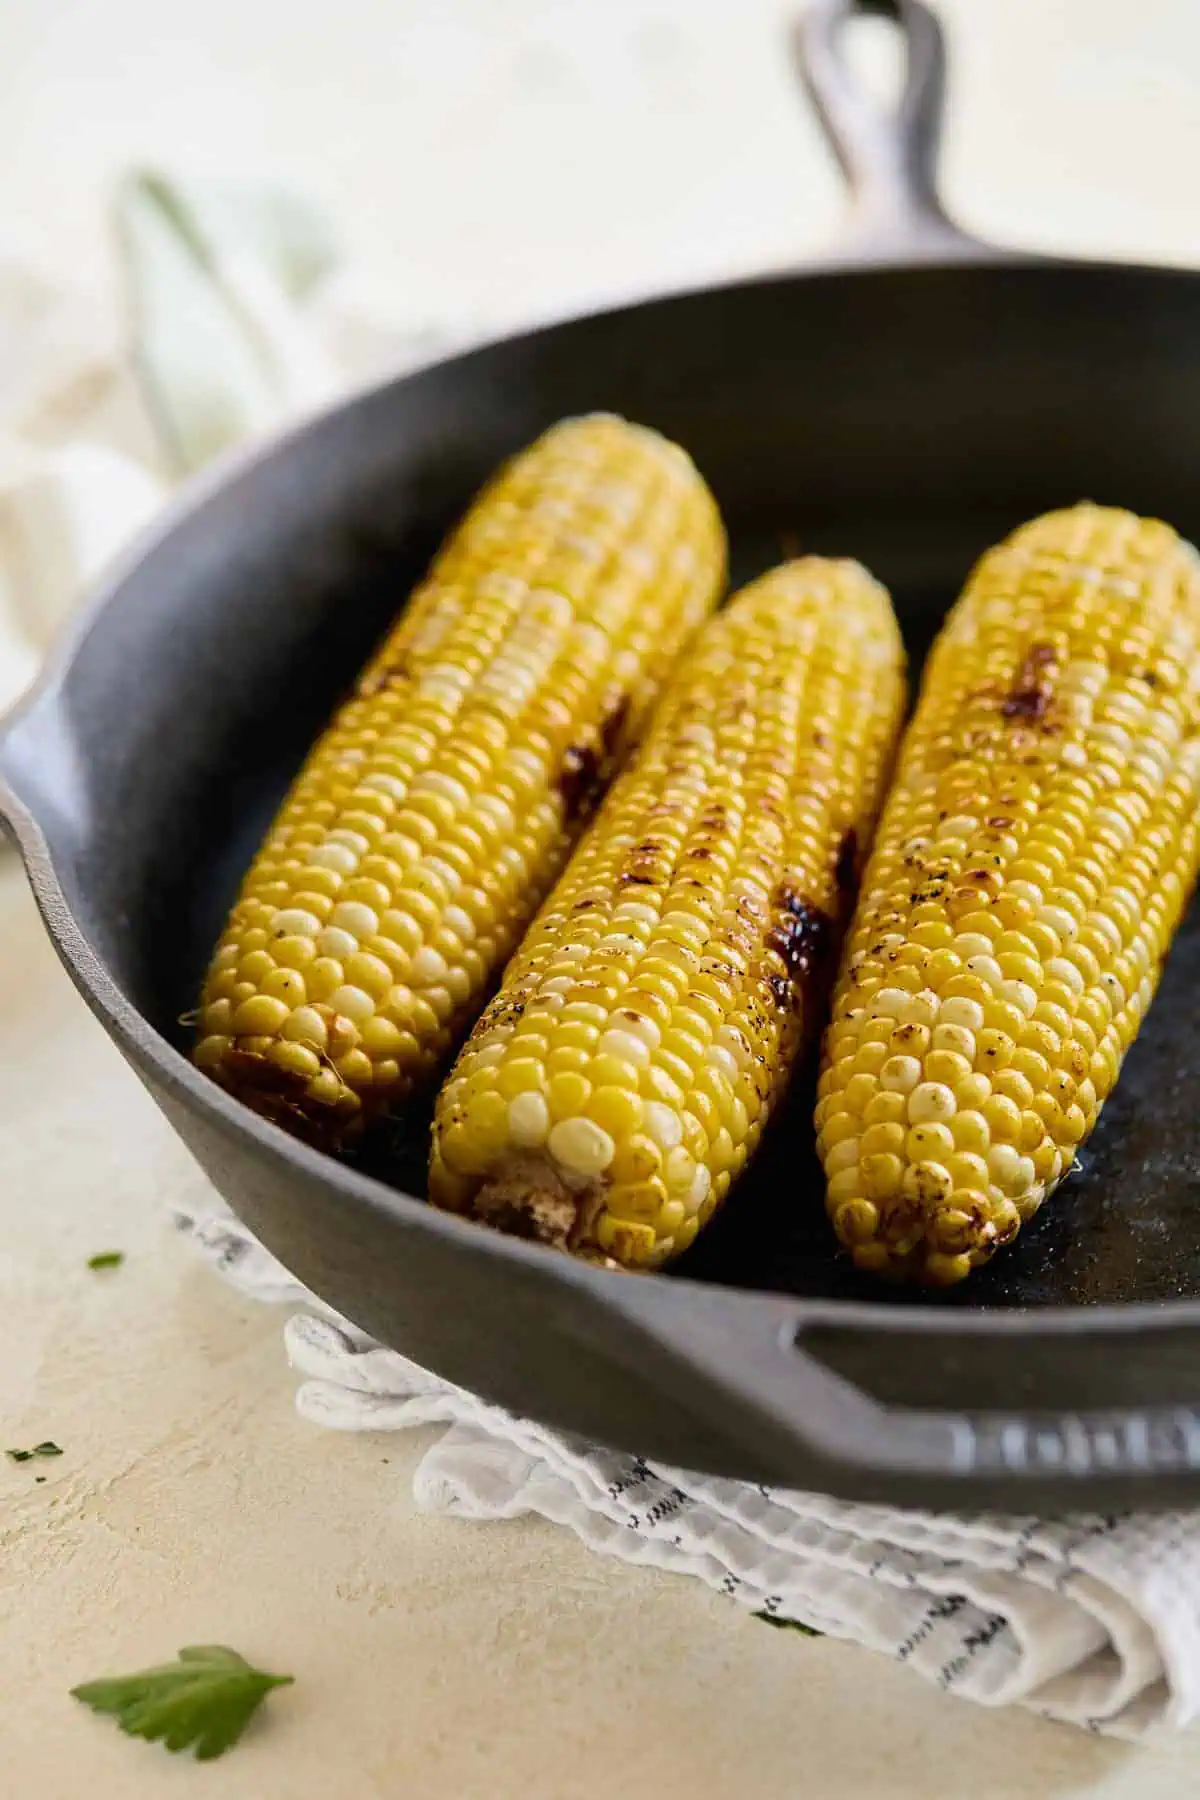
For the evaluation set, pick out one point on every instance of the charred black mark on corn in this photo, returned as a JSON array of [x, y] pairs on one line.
[[505, 1009], [258, 1071], [1033, 689], [579, 779], [279, 1095], [845, 872], [587, 767], [614, 725], [646, 864], [377, 681], [802, 937]]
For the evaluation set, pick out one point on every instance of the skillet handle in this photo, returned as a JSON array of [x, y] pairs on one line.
[[813, 1387], [889, 159]]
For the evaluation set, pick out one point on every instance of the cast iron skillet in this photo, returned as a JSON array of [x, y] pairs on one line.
[[907, 400]]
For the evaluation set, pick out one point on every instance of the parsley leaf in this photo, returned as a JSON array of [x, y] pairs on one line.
[[787, 1624], [106, 1259], [46, 1449], [205, 1700]]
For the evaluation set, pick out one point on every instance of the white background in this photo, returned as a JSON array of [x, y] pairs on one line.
[[506, 157]]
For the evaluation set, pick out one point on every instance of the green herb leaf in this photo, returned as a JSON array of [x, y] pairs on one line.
[[204, 1701], [788, 1624], [46, 1449], [106, 1259]]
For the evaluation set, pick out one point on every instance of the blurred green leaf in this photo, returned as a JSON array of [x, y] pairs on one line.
[[204, 1701]]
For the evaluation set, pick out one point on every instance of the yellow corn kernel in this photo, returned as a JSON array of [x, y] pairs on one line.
[[711, 884], [1041, 838], [441, 803]]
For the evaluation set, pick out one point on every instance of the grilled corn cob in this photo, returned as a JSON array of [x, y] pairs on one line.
[[1035, 854], [613, 1090], [439, 805]]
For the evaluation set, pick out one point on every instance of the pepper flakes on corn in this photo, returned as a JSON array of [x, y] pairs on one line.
[[439, 805], [1035, 855], [612, 1092]]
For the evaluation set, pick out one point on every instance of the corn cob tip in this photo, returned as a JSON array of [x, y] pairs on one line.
[[531, 1200], [528, 1201]]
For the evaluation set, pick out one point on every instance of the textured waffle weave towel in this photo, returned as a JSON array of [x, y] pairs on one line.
[[241, 321], [1092, 1620]]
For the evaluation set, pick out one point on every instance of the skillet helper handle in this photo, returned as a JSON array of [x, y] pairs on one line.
[[857, 1387], [889, 158]]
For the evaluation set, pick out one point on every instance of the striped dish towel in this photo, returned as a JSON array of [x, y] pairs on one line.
[[1091, 1620]]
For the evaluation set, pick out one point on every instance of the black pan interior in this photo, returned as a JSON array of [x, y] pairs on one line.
[[908, 418]]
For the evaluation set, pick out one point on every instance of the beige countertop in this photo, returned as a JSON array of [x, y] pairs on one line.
[[438, 1660]]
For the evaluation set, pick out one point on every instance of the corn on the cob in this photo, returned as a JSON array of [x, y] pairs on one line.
[[616, 1086], [436, 810], [1035, 854]]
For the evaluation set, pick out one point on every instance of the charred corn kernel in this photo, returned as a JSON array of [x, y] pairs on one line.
[[733, 835], [439, 806], [1040, 842]]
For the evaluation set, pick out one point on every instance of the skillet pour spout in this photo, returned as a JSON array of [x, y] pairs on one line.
[[905, 399]]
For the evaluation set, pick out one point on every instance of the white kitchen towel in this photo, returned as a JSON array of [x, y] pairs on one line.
[[1091, 1620], [242, 318], [239, 315]]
